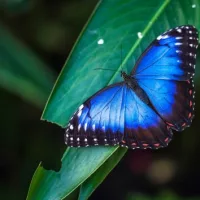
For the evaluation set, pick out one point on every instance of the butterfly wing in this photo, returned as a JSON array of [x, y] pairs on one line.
[[116, 115], [99, 121], [171, 56], [165, 72]]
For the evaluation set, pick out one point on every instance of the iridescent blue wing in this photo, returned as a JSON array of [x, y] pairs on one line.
[[98, 121], [165, 72], [116, 115], [143, 128]]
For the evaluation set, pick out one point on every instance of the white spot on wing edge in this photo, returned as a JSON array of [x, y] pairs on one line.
[[71, 127], [81, 107], [165, 36], [79, 113], [159, 37]]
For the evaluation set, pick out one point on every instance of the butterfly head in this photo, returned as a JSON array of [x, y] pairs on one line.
[[124, 75], [130, 81]]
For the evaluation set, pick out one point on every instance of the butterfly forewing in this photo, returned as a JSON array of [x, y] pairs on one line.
[[100, 120], [165, 72], [172, 56]]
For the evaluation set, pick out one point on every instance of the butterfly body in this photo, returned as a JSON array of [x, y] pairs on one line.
[[141, 111], [132, 83]]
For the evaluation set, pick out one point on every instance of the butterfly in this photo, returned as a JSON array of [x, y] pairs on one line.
[[142, 110]]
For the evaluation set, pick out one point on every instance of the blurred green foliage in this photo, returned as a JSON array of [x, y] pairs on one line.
[[21, 68], [35, 39], [25, 141], [167, 195]]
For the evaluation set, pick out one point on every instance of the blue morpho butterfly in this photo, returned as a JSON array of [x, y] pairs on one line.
[[141, 111]]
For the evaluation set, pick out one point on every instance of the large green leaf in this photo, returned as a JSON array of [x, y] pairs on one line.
[[21, 72], [50, 185], [95, 179], [125, 27]]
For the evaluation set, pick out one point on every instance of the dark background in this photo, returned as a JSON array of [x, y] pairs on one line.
[[49, 28]]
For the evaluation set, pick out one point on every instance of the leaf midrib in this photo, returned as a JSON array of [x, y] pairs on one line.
[[138, 41]]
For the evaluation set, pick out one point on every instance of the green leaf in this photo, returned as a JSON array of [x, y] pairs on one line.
[[21, 72], [15, 5], [117, 23], [50, 185], [97, 178]]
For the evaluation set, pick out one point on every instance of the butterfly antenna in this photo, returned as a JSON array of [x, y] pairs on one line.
[[112, 69], [121, 66], [121, 58], [105, 69]]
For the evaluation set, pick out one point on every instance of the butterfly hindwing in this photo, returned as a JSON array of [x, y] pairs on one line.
[[173, 100], [143, 127], [116, 115]]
